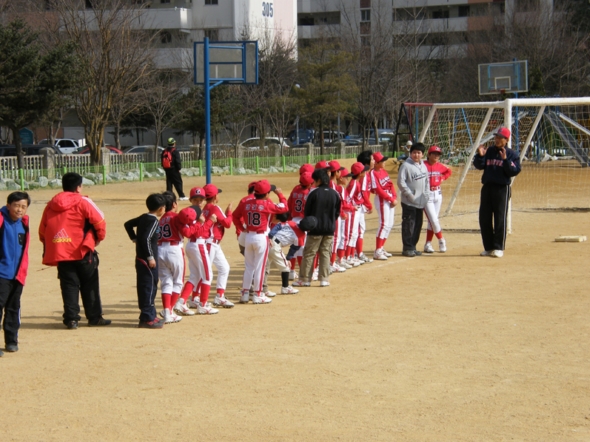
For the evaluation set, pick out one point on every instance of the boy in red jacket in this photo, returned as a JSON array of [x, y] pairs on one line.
[[14, 263], [71, 227]]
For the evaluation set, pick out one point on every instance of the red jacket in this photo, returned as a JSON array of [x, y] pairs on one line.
[[23, 267], [70, 228]]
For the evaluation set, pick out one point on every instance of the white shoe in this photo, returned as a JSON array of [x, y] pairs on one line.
[[486, 253], [293, 275], [337, 269], [344, 264], [300, 283], [442, 245], [183, 198], [428, 247], [222, 301], [193, 303], [314, 276], [364, 258], [245, 298], [183, 309], [289, 291], [324, 283], [170, 317], [353, 262], [389, 255], [379, 255], [206, 310], [270, 294], [262, 299], [497, 253]]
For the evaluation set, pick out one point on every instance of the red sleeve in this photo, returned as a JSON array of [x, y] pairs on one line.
[[96, 218], [43, 225], [196, 230], [446, 173], [275, 208], [224, 219], [367, 200], [291, 201], [237, 218]]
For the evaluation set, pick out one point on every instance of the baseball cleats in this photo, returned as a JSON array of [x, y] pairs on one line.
[[207, 310], [389, 255], [170, 317], [380, 255], [497, 253], [222, 301], [353, 262], [337, 269], [193, 303], [183, 198], [262, 299], [342, 263], [245, 298], [270, 294], [364, 258], [293, 275], [289, 291], [155, 324], [324, 283], [183, 309], [486, 253], [442, 245], [428, 247], [300, 283]]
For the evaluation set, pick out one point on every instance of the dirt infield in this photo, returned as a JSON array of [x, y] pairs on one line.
[[443, 347]]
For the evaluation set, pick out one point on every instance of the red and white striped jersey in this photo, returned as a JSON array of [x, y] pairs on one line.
[[382, 185], [296, 201], [170, 228], [224, 220], [238, 215], [437, 173], [257, 213]]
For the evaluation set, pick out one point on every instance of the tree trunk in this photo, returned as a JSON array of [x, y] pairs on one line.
[[19, 147], [321, 136], [117, 134]]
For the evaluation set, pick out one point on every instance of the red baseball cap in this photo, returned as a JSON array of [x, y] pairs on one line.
[[503, 132], [306, 168], [322, 165], [434, 149], [378, 157], [345, 173], [263, 186], [358, 168], [197, 191], [187, 215], [211, 190], [334, 166], [251, 185], [305, 179]]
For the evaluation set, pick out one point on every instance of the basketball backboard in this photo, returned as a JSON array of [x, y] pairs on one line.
[[229, 61], [508, 77]]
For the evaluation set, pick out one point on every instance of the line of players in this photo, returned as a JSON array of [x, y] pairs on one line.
[[264, 228]]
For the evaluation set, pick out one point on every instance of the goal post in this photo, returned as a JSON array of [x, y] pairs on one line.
[[551, 136]]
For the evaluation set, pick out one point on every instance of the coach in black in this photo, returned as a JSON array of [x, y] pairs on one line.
[[499, 164], [172, 164]]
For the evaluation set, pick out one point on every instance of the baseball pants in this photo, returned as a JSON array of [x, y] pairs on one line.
[[199, 263], [277, 257], [344, 228], [219, 260], [385, 212], [354, 228], [411, 226], [321, 245], [173, 178], [10, 293], [255, 253], [432, 210], [80, 278], [493, 209], [337, 235], [170, 267], [362, 225], [147, 288]]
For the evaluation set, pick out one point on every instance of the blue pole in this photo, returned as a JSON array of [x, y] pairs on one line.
[[207, 111], [516, 136]]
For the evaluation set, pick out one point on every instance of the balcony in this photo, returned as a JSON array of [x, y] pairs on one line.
[[458, 24], [166, 18]]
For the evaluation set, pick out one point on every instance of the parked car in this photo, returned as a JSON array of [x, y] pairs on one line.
[[9, 150], [331, 135], [113, 149], [141, 149], [254, 143], [384, 134], [65, 145], [305, 136]]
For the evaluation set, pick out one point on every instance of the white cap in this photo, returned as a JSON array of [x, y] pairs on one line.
[[409, 143]]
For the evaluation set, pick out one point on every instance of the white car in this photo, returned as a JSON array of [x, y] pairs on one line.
[[65, 145], [254, 143]]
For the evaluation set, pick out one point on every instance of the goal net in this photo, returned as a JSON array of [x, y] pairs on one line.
[[551, 135]]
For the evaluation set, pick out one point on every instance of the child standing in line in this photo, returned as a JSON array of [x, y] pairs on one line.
[[296, 204], [335, 173], [170, 258], [197, 197], [385, 202], [414, 186], [347, 211], [365, 158], [14, 263], [437, 173], [356, 199], [284, 233], [146, 258], [216, 255]]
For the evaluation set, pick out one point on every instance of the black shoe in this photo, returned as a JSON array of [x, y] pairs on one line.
[[156, 323], [409, 253], [72, 325], [417, 253], [11, 348], [99, 322]]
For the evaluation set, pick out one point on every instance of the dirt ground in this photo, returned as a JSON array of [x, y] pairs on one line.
[[442, 347]]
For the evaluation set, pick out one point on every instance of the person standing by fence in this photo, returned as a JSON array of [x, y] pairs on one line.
[[171, 163]]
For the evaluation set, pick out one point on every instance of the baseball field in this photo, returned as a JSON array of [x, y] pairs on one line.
[[444, 347]]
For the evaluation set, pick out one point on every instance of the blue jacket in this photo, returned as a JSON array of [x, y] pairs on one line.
[[13, 244], [495, 169]]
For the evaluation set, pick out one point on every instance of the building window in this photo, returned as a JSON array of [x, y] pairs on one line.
[[365, 15], [366, 28], [164, 1], [464, 11], [365, 3], [440, 13], [212, 34], [210, 2], [165, 37], [366, 41]]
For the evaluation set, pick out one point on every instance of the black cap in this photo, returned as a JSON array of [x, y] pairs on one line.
[[308, 223]]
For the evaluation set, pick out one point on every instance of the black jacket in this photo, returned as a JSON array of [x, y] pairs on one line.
[[323, 203], [495, 169], [146, 237]]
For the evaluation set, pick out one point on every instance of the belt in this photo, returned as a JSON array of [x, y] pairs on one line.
[[435, 188], [214, 241], [168, 243], [257, 233], [199, 240]]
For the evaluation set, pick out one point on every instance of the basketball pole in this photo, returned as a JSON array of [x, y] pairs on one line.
[[207, 111]]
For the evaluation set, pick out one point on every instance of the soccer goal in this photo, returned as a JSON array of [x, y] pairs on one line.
[[551, 135]]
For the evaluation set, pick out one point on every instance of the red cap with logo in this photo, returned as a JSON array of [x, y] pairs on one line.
[[434, 149], [358, 168], [345, 173], [197, 191], [211, 190], [334, 166], [503, 132], [305, 179], [306, 168], [322, 165], [378, 157], [187, 215], [263, 186]]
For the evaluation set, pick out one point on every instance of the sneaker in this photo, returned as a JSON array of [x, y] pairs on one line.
[[293, 275], [379, 255], [270, 294], [344, 264], [183, 309], [156, 323], [337, 269], [497, 253], [486, 253], [99, 322], [324, 284], [11, 348], [262, 299], [207, 310], [171, 317], [289, 291], [222, 301], [428, 247], [314, 277], [417, 253], [389, 255], [300, 283], [245, 298], [442, 245], [353, 262], [72, 325], [183, 198], [409, 253], [365, 258], [193, 303]]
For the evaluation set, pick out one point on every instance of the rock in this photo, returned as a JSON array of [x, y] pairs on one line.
[[217, 170], [33, 185], [295, 166], [54, 184], [87, 182], [273, 169], [43, 181], [187, 172], [2, 185], [11, 185], [147, 174], [240, 171]]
